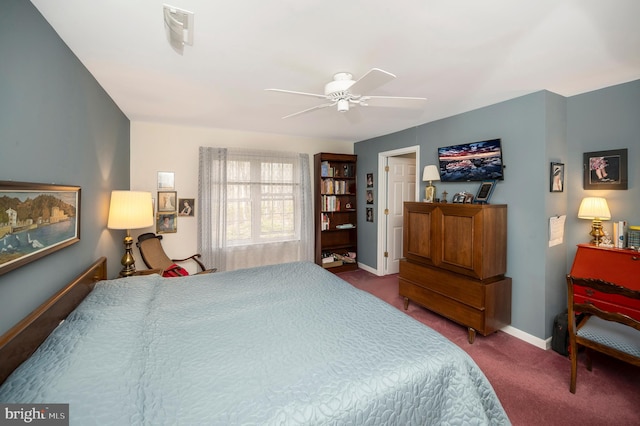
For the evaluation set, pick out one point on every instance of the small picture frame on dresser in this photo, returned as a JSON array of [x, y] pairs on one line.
[[484, 191]]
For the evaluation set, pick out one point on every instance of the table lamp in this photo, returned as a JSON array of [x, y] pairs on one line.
[[596, 209], [430, 174], [129, 210]]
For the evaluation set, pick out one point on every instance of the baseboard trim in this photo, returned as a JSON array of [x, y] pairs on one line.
[[543, 344], [369, 269]]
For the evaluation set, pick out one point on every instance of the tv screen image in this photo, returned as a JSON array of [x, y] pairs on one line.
[[475, 161]]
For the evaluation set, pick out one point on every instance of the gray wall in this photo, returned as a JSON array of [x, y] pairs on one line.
[[535, 130], [57, 125]]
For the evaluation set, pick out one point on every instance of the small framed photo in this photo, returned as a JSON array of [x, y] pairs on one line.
[[369, 180], [605, 169], [166, 180], [459, 198], [556, 178], [186, 207], [369, 214], [369, 196], [167, 201], [166, 223], [484, 191]]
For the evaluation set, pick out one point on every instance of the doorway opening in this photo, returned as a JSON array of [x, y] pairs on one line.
[[398, 181]]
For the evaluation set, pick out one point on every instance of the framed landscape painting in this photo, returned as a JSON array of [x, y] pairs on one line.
[[36, 220]]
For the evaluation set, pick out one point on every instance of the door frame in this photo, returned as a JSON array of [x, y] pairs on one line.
[[383, 197]]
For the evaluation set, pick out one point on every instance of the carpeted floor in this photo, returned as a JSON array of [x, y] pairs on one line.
[[532, 384]]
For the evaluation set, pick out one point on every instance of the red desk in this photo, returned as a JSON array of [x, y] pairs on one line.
[[618, 266]]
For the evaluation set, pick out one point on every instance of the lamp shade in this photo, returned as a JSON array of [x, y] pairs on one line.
[[430, 173], [594, 208], [130, 210]]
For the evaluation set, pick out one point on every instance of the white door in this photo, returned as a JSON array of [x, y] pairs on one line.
[[401, 179]]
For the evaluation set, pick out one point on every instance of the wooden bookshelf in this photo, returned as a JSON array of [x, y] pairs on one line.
[[336, 227]]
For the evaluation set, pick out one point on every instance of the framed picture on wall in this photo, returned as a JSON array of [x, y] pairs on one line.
[[186, 207], [166, 223], [556, 177], [166, 180], [369, 196], [167, 201], [369, 180], [605, 169], [39, 219]]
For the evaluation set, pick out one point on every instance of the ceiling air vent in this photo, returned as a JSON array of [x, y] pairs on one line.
[[178, 25]]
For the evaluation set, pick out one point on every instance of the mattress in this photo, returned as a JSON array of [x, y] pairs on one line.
[[284, 344]]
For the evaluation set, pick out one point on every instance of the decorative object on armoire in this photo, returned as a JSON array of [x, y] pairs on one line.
[[597, 210], [605, 169], [484, 191], [40, 219], [444, 197], [429, 174], [455, 258], [129, 210]]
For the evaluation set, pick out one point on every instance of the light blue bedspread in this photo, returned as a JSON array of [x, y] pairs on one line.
[[276, 345]]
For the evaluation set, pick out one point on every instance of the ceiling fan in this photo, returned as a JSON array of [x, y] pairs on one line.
[[343, 92]]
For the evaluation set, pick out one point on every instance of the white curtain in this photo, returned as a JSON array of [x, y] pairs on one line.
[[254, 208]]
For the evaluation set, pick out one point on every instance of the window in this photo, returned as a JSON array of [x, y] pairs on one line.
[[261, 202], [255, 207]]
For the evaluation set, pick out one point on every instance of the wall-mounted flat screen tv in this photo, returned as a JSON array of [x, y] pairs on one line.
[[475, 161]]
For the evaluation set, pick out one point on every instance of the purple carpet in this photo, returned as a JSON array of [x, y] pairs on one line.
[[532, 384]]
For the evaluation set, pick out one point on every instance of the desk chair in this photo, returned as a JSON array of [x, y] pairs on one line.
[[601, 329]]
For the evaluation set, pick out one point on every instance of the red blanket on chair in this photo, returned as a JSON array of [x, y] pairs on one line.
[[175, 271]]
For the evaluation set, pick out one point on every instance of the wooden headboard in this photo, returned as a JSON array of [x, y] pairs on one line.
[[21, 341]]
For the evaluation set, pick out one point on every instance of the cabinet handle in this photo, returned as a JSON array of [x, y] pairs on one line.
[[634, 258], [590, 292]]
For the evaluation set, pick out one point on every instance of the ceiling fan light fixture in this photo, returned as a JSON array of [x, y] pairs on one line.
[[343, 105]]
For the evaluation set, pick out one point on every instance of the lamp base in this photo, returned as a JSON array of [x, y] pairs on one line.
[[128, 261], [596, 232], [430, 193]]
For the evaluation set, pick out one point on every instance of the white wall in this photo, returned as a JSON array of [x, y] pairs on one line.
[[169, 148]]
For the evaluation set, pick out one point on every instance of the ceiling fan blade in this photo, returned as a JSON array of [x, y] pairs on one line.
[[392, 101], [371, 80], [328, 104], [292, 92]]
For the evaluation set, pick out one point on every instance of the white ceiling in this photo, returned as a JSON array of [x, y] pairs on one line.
[[460, 54]]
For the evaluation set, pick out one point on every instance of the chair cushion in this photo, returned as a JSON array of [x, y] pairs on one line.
[[175, 271], [615, 335]]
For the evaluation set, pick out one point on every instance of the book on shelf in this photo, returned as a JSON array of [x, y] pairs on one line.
[[325, 222], [332, 264]]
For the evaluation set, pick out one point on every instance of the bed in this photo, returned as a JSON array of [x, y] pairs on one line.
[[281, 344]]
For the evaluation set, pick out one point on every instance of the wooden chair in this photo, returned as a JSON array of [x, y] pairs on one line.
[[601, 329], [154, 256]]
